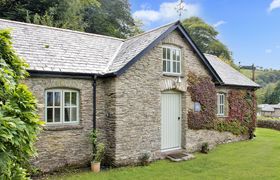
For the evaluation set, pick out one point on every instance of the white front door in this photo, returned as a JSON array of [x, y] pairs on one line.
[[170, 120]]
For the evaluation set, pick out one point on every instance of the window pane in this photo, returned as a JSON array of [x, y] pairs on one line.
[[74, 99], [178, 55], [74, 114], [164, 53], [178, 67], [174, 55], [168, 66], [57, 98], [174, 67], [168, 53], [66, 114], [67, 98], [49, 98], [57, 114], [164, 66], [49, 115]]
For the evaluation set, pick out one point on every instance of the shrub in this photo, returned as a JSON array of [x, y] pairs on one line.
[[19, 122], [100, 151], [233, 126], [205, 148], [144, 159]]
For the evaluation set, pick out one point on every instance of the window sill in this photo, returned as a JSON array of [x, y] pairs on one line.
[[222, 116], [173, 75], [60, 127]]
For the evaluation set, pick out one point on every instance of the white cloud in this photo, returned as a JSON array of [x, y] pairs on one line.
[[167, 12], [268, 51], [275, 4], [219, 23]]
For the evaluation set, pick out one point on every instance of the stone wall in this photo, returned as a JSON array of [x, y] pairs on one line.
[[138, 107], [195, 139], [66, 145]]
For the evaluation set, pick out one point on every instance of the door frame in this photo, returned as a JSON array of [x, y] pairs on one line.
[[180, 124]]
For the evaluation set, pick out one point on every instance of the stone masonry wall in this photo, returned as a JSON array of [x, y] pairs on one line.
[[138, 111], [66, 145]]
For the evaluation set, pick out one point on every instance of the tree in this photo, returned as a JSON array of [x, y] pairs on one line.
[[205, 37], [112, 18], [274, 97], [19, 122], [105, 17]]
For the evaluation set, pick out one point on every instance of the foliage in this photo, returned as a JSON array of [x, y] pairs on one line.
[[205, 148], [19, 123], [233, 126], [202, 90], [95, 16], [242, 107], [258, 159], [100, 152], [98, 149], [263, 118], [273, 97], [205, 37], [145, 159]]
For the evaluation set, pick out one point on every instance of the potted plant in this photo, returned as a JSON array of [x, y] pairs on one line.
[[98, 156]]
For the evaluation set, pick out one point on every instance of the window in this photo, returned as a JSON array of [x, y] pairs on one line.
[[62, 106], [221, 104], [171, 60]]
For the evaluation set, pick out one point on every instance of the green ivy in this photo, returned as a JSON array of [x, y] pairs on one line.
[[233, 126], [19, 122]]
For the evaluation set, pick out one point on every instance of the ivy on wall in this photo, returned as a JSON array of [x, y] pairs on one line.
[[202, 90], [242, 108]]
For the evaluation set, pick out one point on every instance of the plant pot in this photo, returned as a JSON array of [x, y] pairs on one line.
[[95, 167]]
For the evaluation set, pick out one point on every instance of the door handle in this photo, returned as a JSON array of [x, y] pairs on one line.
[[179, 118]]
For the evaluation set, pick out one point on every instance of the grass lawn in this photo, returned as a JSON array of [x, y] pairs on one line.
[[256, 159]]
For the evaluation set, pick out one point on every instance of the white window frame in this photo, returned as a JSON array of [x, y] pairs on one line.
[[62, 106], [221, 104], [172, 49]]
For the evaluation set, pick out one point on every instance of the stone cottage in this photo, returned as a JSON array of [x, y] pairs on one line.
[[269, 110], [134, 91]]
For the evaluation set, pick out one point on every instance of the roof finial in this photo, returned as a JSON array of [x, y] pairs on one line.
[[180, 8]]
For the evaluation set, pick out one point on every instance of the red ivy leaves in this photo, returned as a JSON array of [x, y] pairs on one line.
[[202, 90], [242, 107]]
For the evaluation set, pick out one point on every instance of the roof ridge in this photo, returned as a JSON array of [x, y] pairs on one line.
[[61, 29], [113, 58], [154, 29]]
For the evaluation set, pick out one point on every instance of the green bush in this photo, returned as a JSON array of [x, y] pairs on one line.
[[19, 122], [100, 152], [233, 126]]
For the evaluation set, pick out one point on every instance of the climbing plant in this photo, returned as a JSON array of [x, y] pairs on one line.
[[242, 106], [19, 122], [241, 117], [203, 91]]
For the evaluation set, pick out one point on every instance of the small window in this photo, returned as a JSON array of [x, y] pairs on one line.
[[171, 60], [62, 106], [221, 104]]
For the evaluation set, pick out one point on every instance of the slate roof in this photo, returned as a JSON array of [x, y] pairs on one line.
[[60, 50], [54, 50], [229, 75], [269, 107]]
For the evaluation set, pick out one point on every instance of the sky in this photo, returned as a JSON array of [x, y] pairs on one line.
[[250, 28]]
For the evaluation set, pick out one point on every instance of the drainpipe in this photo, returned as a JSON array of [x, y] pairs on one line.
[[94, 102]]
